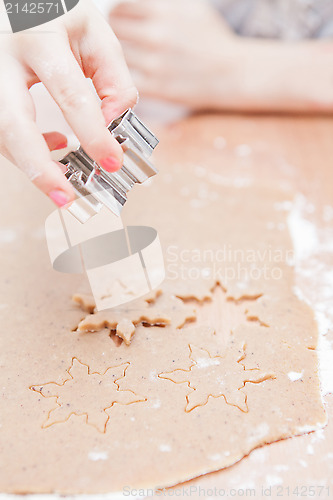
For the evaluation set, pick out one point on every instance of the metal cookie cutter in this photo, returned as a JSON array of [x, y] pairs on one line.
[[94, 186], [121, 263]]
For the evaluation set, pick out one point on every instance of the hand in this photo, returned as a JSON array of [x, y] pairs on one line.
[[179, 50], [61, 54]]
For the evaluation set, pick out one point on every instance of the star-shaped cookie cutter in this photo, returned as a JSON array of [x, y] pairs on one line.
[[94, 186]]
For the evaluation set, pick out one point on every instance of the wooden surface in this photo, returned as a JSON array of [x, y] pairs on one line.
[[296, 153]]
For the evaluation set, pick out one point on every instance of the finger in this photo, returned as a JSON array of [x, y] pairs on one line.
[[22, 143], [146, 61], [142, 33], [149, 86], [56, 66], [169, 91], [55, 140], [103, 61], [135, 10], [154, 87]]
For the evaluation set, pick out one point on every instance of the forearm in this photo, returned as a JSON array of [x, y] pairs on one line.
[[276, 76]]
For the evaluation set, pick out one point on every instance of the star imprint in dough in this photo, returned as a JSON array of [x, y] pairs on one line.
[[86, 393], [217, 376], [156, 309]]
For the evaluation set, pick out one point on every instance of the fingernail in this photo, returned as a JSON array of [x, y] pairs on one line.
[[62, 145], [110, 164], [59, 197]]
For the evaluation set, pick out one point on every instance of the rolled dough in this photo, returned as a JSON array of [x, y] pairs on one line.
[[185, 397]]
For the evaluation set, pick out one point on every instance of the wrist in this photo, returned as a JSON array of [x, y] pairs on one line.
[[269, 75], [233, 76]]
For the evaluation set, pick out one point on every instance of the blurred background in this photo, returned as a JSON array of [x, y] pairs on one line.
[[186, 56]]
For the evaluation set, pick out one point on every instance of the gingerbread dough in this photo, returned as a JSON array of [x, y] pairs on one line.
[[194, 392], [123, 319]]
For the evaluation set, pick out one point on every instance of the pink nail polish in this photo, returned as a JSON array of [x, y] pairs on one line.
[[63, 145], [59, 197], [110, 164]]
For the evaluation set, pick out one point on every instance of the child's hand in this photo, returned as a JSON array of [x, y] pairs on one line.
[[183, 51], [61, 54], [179, 49]]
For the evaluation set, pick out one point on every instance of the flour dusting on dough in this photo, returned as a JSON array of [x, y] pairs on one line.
[[7, 236], [165, 448], [260, 432], [293, 376], [272, 480], [308, 243], [309, 449], [98, 455]]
